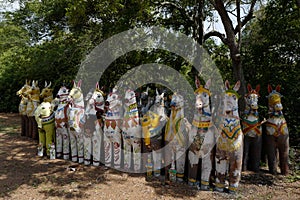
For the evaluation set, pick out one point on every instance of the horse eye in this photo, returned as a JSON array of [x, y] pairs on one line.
[[234, 97], [204, 94], [64, 91]]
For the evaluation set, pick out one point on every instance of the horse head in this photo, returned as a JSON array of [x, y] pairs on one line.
[[44, 110], [47, 92], [97, 99], [113, 100], [177, 101], [251, 98], [130, 97], [274, 99], [75, 94], [202, 95], [23, 91], [34, 91], [159, 99], [231, 98]]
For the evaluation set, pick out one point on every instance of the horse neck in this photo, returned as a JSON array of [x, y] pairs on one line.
[[78, 103], [160, 110], [35, 97], [204, 115], [48, 98], [177, 113], [131, 110]]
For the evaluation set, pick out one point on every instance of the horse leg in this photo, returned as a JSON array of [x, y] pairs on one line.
[[247, 141], [127, 154], [59, 142], [42, 139], [35, 134], [157, 157], [180, 162], [23, 125], [50, 131], [271, 152], [137, 158], [80, 150], [66, 143], [117, 153], [256, 153], [193, 168], [283, 148], [87, 145], [73, 144], [207, 150], [107, 151], [235, 169], [96, 145], [221, 168]]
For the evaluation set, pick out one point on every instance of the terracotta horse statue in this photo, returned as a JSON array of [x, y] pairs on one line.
[[201, 138], [252, 130], [229, 146], [112, 130], [76, 121], [61, 124], [33, 101], [176, 137], [45, 119], [22, 108], [131, 132], [93, 136], [277, 133], [153, 123]]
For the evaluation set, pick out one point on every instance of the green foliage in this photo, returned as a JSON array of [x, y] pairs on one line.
[[271, 56]]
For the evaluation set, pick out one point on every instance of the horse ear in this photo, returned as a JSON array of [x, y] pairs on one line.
[[49, 85], [270, 88], [97, 85], [257, 89], [36, 83], [147, 90], [162, 95], [157, 93], [74, 83], [278, 88], [197, 82], [227, 85], [249, 87], [207, 84], [45, 84], [79, 83], [237, 86]]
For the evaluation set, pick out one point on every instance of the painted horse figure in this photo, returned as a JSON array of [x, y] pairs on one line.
[[176, 137], [229, 149], [153, 123], [76, 120], [61, 124], [44, 117], [131, 132], [22, 108], [277, 133], [47, 93], [144, 102], [94, 112], [112, 130], [33, 102], [252, 130], [201, 137]]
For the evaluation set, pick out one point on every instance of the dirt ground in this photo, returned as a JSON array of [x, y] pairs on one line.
[[23, 175]]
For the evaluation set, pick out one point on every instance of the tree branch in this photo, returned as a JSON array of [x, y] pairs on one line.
[[216, 34], [247, 18], [176, 6]]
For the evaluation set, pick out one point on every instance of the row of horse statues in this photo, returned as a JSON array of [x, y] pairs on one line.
[[121, 132]]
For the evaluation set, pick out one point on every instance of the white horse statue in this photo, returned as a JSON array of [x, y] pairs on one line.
[[202, 138], [229, 149], [112, 130], [94, 112], [277, 133], [131, 132], [33, 102], [22, 108], [76, 120], [176, 137], [153, 123], [61, 124]]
